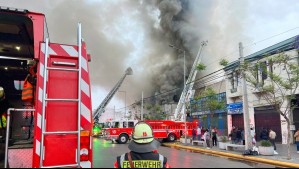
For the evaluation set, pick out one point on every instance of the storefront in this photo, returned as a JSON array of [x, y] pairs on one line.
[[267, 117], [235, 110]]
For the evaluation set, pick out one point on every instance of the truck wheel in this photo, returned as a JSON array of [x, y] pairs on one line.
[[171, 138], [123, 139]]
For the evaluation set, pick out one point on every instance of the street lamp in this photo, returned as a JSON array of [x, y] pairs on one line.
[[125, 101], [185, 115]]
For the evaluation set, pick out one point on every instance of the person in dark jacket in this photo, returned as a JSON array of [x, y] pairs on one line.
[[214, 136], [193, 134], [264, 134], [143, 152]]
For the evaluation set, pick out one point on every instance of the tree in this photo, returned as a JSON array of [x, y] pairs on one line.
[[211, 103], [276, 86], [154, 112]]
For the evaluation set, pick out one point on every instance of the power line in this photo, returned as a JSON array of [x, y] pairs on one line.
[[249, 45], [215, 78]]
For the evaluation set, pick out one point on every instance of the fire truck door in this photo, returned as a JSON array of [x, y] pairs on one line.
[[61, 116]]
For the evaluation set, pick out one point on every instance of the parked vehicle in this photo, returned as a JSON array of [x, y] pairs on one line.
[[167, 130]]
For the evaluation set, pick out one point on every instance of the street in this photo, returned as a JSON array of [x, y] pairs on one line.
[[105, 154]]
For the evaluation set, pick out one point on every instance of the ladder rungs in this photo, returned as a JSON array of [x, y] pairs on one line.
[[61, 132], [63, 100], [63, 69], [61, 166]]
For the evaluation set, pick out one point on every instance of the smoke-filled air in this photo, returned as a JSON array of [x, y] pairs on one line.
[[137, 34]]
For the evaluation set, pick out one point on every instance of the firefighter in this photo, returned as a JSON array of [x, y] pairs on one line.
[[3, 108], [143, 152]]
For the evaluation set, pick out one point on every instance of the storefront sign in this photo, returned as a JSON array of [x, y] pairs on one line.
[[235, 108]]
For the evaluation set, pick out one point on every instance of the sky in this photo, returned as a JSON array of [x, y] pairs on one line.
[[137, 33]]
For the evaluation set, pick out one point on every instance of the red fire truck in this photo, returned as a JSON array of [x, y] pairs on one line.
[[47, 86], [121, 131]]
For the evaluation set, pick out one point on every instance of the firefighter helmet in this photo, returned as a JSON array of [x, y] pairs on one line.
[[142, 133], [143, 139]]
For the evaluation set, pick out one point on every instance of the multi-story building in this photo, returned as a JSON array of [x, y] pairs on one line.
[[262, 115], [199, 110]]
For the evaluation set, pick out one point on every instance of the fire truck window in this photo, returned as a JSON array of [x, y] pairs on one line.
[[116, 125], [131, 124]]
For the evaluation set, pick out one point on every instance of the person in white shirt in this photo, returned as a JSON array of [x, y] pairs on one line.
[[207, 138], [198, 133], [272, 137]]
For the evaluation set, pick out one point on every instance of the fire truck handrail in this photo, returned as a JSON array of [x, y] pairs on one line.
[[61, 166], [7, 130], [61, 132]]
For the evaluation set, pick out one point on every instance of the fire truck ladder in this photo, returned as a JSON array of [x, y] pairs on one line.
[[187, 92], [45, 99], [101, 109]]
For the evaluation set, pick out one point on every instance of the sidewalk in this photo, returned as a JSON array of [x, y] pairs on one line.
[[276, 160]]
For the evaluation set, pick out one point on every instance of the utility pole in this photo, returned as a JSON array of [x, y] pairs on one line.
[[114, 113], [184, 104], [142, 107], [247, 134]]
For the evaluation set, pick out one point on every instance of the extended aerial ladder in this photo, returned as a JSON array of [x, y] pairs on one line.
[[101, 109], [188, 89]]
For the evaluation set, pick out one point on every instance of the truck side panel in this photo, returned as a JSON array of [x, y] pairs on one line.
[[62, 116]]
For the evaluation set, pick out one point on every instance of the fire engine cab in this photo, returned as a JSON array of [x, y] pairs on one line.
[[120, 131], [47, 92]]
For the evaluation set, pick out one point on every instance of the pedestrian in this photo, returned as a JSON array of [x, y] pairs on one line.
[[199, 133], [233, 135], [143, 152], [296, 136], [203, 130], [253, 135], [4, 105], [239, 136], [193, 134], [207, 138], [272, 137], [214, 136], [264, 135]]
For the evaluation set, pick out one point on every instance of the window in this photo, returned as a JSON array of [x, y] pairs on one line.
[[264, 72], [234, 78], [131, 124], [116, 125]]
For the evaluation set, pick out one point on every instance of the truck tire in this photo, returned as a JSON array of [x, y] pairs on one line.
[[123, 139], [171, 137]]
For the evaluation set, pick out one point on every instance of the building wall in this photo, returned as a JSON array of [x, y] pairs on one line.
[[219, 119], [255, 97]]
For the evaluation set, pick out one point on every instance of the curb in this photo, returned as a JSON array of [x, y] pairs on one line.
[[237, 156]]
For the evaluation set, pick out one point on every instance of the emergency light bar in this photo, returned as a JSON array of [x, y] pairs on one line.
[[9, 9]]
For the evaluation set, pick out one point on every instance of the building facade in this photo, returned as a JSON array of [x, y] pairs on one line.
[[262, 115]]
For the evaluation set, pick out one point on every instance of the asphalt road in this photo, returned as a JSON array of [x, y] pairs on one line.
[[105, 153]]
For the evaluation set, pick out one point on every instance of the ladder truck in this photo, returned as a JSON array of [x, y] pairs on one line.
[[101, 108], [188, 91], [56, 106]]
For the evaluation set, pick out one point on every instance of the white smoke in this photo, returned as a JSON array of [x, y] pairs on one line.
[[123, 33]]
